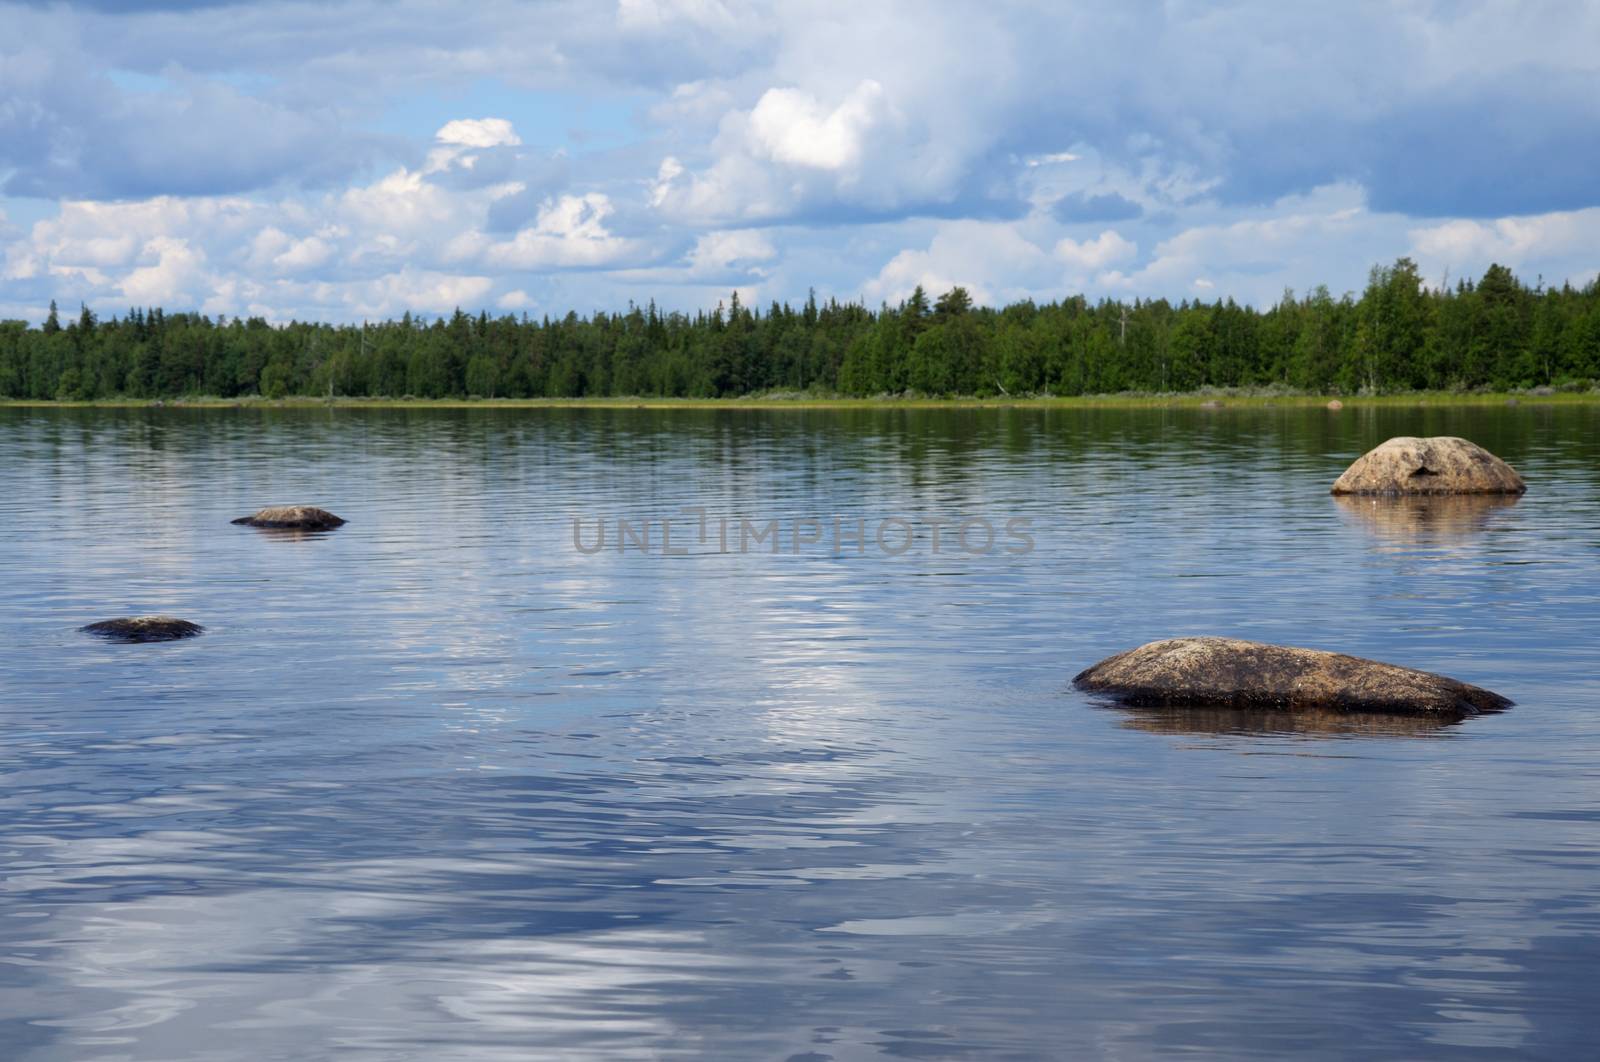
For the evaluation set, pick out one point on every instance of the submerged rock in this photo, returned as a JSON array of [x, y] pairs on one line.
[[1229, 673], [143, 629], [293, 517], [1440, 465]]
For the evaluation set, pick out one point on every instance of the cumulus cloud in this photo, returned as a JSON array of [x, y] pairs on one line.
[[1555, 248], [797, 156], [478, 133], [1510, 241], [1089, 256], [998, 262], [1330, 236], [407, 235], [414, 289], [718, 253], [793, 127], [175, 277], [298, 255], [570, 232], [842, 127]]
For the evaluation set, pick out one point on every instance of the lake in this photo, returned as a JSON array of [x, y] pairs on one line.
[[451, 782]]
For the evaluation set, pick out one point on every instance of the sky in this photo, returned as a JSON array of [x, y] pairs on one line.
[[346, 161]]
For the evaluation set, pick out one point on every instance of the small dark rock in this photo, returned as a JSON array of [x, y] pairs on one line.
[[143, 629], [293, 517]]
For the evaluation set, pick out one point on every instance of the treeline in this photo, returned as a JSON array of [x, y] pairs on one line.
[[1397, 336]]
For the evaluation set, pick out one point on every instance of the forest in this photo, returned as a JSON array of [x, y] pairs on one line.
[[1398, 335]]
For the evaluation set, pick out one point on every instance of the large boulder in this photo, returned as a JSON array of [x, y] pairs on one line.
[[1440, 465], [293, 518], [1229, 673], [143, 629]]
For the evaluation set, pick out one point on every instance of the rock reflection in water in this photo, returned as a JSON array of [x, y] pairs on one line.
[[1424, 517], [292, 534], [1247, 721]]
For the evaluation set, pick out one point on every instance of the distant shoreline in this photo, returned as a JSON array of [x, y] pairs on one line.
[[1197, 400]]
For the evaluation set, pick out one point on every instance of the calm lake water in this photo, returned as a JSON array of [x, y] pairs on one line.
[[441, 785]]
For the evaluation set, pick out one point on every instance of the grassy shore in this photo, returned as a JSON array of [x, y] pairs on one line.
[[1202, 400]]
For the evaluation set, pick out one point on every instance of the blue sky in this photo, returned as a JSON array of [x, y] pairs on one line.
[[344, 161]]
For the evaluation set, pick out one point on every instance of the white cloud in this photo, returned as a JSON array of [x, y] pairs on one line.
[[304, 254], [1299, 241], [1509, 241], [718, 252], [839, 123], [359, 251], [409, 289], [176, 277], [1089, 256], [275, 251], [569, 232], [1001, 262], [992, 260], [668, 172], [401, 209], [791, 126], [791, 151], [460, 144], [478, 133]]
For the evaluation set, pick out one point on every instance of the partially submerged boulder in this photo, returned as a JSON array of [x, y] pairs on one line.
[[1440, 465], [1229, 673], [293, 518], [143, 629]]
